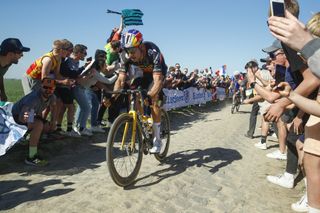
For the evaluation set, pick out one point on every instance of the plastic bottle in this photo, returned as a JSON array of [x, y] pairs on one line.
[[150, 123]]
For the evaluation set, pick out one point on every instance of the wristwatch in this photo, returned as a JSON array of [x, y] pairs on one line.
[[252, 85]]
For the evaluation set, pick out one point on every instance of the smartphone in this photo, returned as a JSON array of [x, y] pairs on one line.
[[277, 7], [280, 73], [89, 59], [31, 116]]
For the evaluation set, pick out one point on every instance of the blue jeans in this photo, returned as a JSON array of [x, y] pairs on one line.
[[84, 108], [94, 103]]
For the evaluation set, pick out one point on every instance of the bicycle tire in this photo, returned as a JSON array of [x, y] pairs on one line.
[[238, 107], [115, 136], [232, 109], [165, 136]]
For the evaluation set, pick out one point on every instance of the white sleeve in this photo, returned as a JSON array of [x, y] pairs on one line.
[[103, 79]]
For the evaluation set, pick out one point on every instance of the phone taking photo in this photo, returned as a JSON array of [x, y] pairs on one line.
[[31, 116], [277, 8]]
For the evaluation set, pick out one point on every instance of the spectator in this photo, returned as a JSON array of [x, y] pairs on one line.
[[11, 50], [28, 111], [301, 39]]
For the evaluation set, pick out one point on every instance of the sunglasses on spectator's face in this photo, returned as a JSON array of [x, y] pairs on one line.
[[274, 55]]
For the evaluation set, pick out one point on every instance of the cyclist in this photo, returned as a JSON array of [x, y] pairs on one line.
[[146, 56], [236, 86]]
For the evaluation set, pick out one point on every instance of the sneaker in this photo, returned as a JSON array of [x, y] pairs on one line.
[[156, 147], [35, 161], [86, 132], [97, 129], [301, 205], [277, 155], [274, 135], [260, 145], [108, 124], [281, 180], [248, 136], [73, 134]]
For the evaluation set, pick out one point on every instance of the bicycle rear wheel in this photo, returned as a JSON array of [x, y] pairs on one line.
[[165, 136], [123, 162]]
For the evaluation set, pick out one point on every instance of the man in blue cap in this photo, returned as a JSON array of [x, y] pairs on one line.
[[11, 50]]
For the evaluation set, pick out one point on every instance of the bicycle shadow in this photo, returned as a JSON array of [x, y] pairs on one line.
[[16, 192], [179, 162]]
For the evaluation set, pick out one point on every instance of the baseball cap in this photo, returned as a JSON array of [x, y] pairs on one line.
[[12, 45], [274, 47]]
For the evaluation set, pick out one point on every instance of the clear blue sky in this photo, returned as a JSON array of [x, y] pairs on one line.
[[197, 34]]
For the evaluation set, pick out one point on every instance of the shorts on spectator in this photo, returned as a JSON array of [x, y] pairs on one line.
[[65, 94], [312, 140]]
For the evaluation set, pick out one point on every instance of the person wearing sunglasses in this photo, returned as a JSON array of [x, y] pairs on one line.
[[11, 50], [148, 57], [28, 111]]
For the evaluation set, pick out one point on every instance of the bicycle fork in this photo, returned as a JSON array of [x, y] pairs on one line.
[[134, 131]]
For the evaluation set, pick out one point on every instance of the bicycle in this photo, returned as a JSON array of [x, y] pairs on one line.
[[129, 138], [236, 102]]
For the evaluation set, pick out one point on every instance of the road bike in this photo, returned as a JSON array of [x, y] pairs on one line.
[[130, 137], [236, 102]]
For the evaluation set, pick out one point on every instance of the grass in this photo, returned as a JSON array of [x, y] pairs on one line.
[[13, 89]]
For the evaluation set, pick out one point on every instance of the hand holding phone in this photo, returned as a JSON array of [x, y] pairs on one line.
[[283, 89], [31, 116], [277, 8]]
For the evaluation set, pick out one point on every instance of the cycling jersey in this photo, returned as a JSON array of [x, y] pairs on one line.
[[236, 84], [34, 71], [153, 61]]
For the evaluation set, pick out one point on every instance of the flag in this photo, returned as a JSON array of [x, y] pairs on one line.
[[224, 70], [10, 132], [132, 17]]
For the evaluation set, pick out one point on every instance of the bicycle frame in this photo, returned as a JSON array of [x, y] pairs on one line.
[[135, 121]]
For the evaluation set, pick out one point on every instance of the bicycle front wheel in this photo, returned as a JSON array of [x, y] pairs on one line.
[[123, 160], [232, 108], [164, 135], [238, 107]]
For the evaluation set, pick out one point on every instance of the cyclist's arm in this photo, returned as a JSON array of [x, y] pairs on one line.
[[157, 84]]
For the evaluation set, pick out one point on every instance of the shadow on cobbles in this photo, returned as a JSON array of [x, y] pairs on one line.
[[15, 192], [181, 161]]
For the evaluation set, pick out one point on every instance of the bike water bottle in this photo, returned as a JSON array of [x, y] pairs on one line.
[[150, 123]]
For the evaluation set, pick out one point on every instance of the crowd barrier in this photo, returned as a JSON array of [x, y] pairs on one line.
[[191, 96]]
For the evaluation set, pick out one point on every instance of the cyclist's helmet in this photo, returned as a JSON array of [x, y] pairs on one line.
[[132, 38], [236, 73]]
